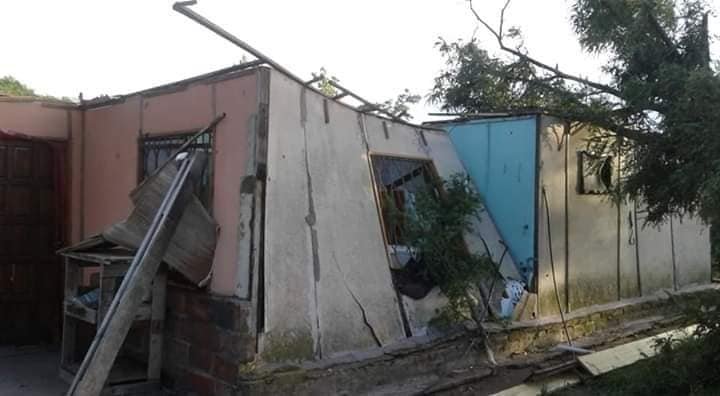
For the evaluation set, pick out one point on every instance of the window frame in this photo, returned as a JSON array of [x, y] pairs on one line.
[[429, 170], [172, 141]]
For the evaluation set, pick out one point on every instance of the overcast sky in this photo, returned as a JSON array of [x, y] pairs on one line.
[[377, 48]]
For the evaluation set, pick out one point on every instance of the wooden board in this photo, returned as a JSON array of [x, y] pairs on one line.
[[623, 355]]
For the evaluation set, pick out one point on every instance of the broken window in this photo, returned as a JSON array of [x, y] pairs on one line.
[[595, 173], [155, 150], [398, 181]]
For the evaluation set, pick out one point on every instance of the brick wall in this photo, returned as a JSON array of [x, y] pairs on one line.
[[206, 338]]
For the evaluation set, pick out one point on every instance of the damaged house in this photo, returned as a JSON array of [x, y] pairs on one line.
[[300, 268], [551, 199]]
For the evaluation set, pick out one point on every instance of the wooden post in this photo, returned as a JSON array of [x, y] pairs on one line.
[[157, 324], [67, 349]]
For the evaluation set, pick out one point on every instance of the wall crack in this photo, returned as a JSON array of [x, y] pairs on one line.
[[311, 220], [359, 304]]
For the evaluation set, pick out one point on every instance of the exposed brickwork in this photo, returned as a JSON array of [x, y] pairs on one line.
[[206, 339]]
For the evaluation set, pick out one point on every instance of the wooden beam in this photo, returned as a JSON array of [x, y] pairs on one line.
[[95, 368]]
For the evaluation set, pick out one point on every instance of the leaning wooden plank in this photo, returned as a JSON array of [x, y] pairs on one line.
[[623, 355], [98, 361]]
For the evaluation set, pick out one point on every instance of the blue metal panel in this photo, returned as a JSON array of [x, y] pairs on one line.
[[499, 155]]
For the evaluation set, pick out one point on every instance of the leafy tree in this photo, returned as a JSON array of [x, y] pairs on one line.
[[399, 107], [434, 230], [660, 102], [11, 87]]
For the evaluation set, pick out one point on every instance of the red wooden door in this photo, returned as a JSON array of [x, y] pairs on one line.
[[30, 275]]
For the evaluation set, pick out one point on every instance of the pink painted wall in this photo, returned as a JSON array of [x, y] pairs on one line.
[[40, 120], [111, 156], [35, 119], [238, 99], [110, 163]]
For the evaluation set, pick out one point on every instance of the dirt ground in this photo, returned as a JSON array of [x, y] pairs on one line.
[[30, 371]]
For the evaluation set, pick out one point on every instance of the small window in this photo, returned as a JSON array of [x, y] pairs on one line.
[[596, 173], [155, 150]]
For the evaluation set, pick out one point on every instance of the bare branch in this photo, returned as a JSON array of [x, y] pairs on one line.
[[502, 16], [559, 73], [482, 21]]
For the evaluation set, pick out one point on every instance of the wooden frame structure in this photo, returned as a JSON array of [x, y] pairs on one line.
[[129, 374]]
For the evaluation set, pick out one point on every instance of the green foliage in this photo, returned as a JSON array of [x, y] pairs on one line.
[[11, 87], [661, 96], [399, 106], [324, 83], [434, 230]]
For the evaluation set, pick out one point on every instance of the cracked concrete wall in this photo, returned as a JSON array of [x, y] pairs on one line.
[[328, 288], [435, 145], [429, 144]]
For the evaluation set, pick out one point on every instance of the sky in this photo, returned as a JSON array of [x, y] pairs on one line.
[[377, 48]]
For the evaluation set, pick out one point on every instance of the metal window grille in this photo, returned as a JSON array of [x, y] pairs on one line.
[[155, 150]]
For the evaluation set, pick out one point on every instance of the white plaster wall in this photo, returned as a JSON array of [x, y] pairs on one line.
[[328, 284], [654, 246], [604, 254], [552, 177], [328, 287], [290, 319], [628, 264], [692, 251], [601, 261], [593, 240]]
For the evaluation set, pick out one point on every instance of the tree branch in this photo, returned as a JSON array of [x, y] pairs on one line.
[[559, 73], [659, 30]]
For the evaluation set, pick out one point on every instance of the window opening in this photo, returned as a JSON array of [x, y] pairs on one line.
[[595, 173], [398, 181], [155, 150]]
